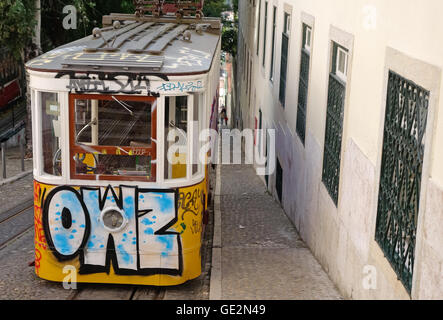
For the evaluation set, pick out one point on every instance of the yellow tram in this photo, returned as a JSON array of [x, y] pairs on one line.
[[120, 190]]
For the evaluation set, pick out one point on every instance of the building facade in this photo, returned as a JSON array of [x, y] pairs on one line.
[[352, 89]]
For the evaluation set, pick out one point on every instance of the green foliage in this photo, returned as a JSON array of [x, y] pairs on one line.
[[229, 38], [89, 16], [235, 4], [230, 32], [214, 8], [16, 25]]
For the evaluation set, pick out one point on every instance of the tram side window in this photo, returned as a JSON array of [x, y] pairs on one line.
[[113, 136], [51, 146], [176, 137], [197, 127]]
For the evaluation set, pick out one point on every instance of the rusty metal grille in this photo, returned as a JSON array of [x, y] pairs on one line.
[[303, 95], [401, 171], [333, 136]]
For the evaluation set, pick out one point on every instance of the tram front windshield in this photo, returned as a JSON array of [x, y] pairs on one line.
[[113, 137]]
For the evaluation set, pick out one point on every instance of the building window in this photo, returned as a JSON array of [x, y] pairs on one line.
[[342, 63], [307, 37], [260, 127], [274, 21], [265, 33], [279, 181], [303, 83], [334, 127], [258, 26], [401, 172], [247, 71], [284, 59]]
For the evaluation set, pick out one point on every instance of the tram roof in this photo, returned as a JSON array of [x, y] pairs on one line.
[[140, 45]]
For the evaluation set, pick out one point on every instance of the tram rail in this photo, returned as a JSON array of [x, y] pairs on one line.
[[14, 223]]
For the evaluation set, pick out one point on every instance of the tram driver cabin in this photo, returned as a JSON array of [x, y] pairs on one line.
[[106, 110]]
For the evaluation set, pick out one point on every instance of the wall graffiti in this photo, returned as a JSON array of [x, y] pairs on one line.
[[128, 83], [131, 230]]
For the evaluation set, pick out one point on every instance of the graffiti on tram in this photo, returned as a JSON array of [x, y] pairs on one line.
[[133, 230], [125, 83]]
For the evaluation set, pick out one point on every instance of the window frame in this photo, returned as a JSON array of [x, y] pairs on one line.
[[73, 148], [286, 37], [40, 140], [305, 54], [307, 29], [258, 27], [388, 186], [274, 29], [342, 75], [333, 144], [265, 31]]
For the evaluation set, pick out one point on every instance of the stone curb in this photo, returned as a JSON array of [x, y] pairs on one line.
[[15, 178], [215, 287]]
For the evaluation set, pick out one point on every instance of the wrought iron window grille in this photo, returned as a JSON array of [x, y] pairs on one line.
[[401, 171], [303, 86]]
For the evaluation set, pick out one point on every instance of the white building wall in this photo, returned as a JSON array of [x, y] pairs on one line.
[[401, 35]]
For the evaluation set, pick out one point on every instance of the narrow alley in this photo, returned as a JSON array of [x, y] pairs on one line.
[[262, 255]]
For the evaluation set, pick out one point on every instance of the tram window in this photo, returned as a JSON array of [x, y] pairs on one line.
[[109, 123], [113, 136], [176, 137], [197, 127], [51, 146]]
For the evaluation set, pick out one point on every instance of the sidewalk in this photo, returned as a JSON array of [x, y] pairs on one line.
[[13, 165], [18, 186], [259, 253]]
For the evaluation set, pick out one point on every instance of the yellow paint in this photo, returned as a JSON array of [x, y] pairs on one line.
[[179, 166], [89, 160], [188, 225]]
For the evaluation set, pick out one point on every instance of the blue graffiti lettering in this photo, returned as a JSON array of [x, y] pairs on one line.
[[189, 86]]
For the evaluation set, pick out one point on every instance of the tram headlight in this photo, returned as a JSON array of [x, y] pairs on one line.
[[113, 219]]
